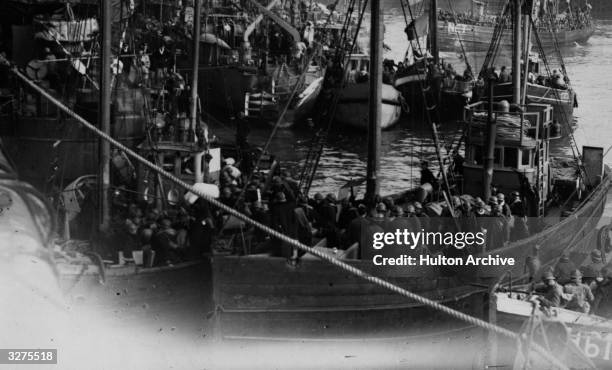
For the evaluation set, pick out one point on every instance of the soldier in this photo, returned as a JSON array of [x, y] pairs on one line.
[[581, 293], [564, 268], [553, 292], [519, 228], [591, 271]]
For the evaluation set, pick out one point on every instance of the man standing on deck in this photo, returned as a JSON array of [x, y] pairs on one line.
[[517, 209], [504, 76], [283, 220], [564, 269], [427, 177]]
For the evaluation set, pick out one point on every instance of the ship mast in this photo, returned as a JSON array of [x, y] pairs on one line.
[[375, 101], [197, 14], [104, 115], [517, 42], [433, 30], [516, 53]]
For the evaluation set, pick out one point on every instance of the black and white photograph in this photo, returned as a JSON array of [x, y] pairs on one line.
[[305, 184]]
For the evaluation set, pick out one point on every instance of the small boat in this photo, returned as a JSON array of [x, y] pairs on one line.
[[589, 332], [352, 108], [268, 106], [256, 79]]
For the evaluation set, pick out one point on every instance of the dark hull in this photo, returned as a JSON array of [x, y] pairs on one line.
[[452, 105], [35, 142], [177, 296], [477, 38], [449, 102], [265, 298], [259, 297], [271, 112], [222, 89]]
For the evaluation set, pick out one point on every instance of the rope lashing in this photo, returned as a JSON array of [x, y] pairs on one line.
[[273, 233]]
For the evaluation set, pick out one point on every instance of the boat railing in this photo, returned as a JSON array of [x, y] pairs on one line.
[[521, 126]]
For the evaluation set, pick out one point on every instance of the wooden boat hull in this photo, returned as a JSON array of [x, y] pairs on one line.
[[410, 86], [265, 298], [36, 142], [176, 296], [268, 110], [453, 105], [451, 95], [591, 333], [222, 88], [259, 296], [352, 109], [478, 38]]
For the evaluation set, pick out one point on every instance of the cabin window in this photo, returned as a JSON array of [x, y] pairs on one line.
[[510, 157], [497, 156], [525, 153], [354, 64]]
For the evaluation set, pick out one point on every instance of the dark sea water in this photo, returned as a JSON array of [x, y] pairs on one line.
[[589, 66]]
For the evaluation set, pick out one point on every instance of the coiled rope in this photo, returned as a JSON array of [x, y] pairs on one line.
[[327, 258]]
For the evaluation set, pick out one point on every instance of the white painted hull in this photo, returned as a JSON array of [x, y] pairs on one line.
[[352, 109]]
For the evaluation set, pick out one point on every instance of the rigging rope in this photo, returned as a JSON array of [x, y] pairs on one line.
[[465, 58], [321, 255], [306, 178], [424, 93], [574, 147]]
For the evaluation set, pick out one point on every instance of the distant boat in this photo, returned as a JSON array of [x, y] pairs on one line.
[[477, 29], [352, 109], [267, 105]]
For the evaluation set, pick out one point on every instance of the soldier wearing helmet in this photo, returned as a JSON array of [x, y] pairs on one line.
[[581, 293], [553, 291], [591, 271]]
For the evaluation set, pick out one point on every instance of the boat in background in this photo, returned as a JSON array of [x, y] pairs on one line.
[[267, 105], [353, 104], [476, 27], [255, 72], [425, 80], [42, 140]]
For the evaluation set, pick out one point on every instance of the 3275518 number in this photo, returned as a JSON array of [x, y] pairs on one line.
[[28, 356]]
